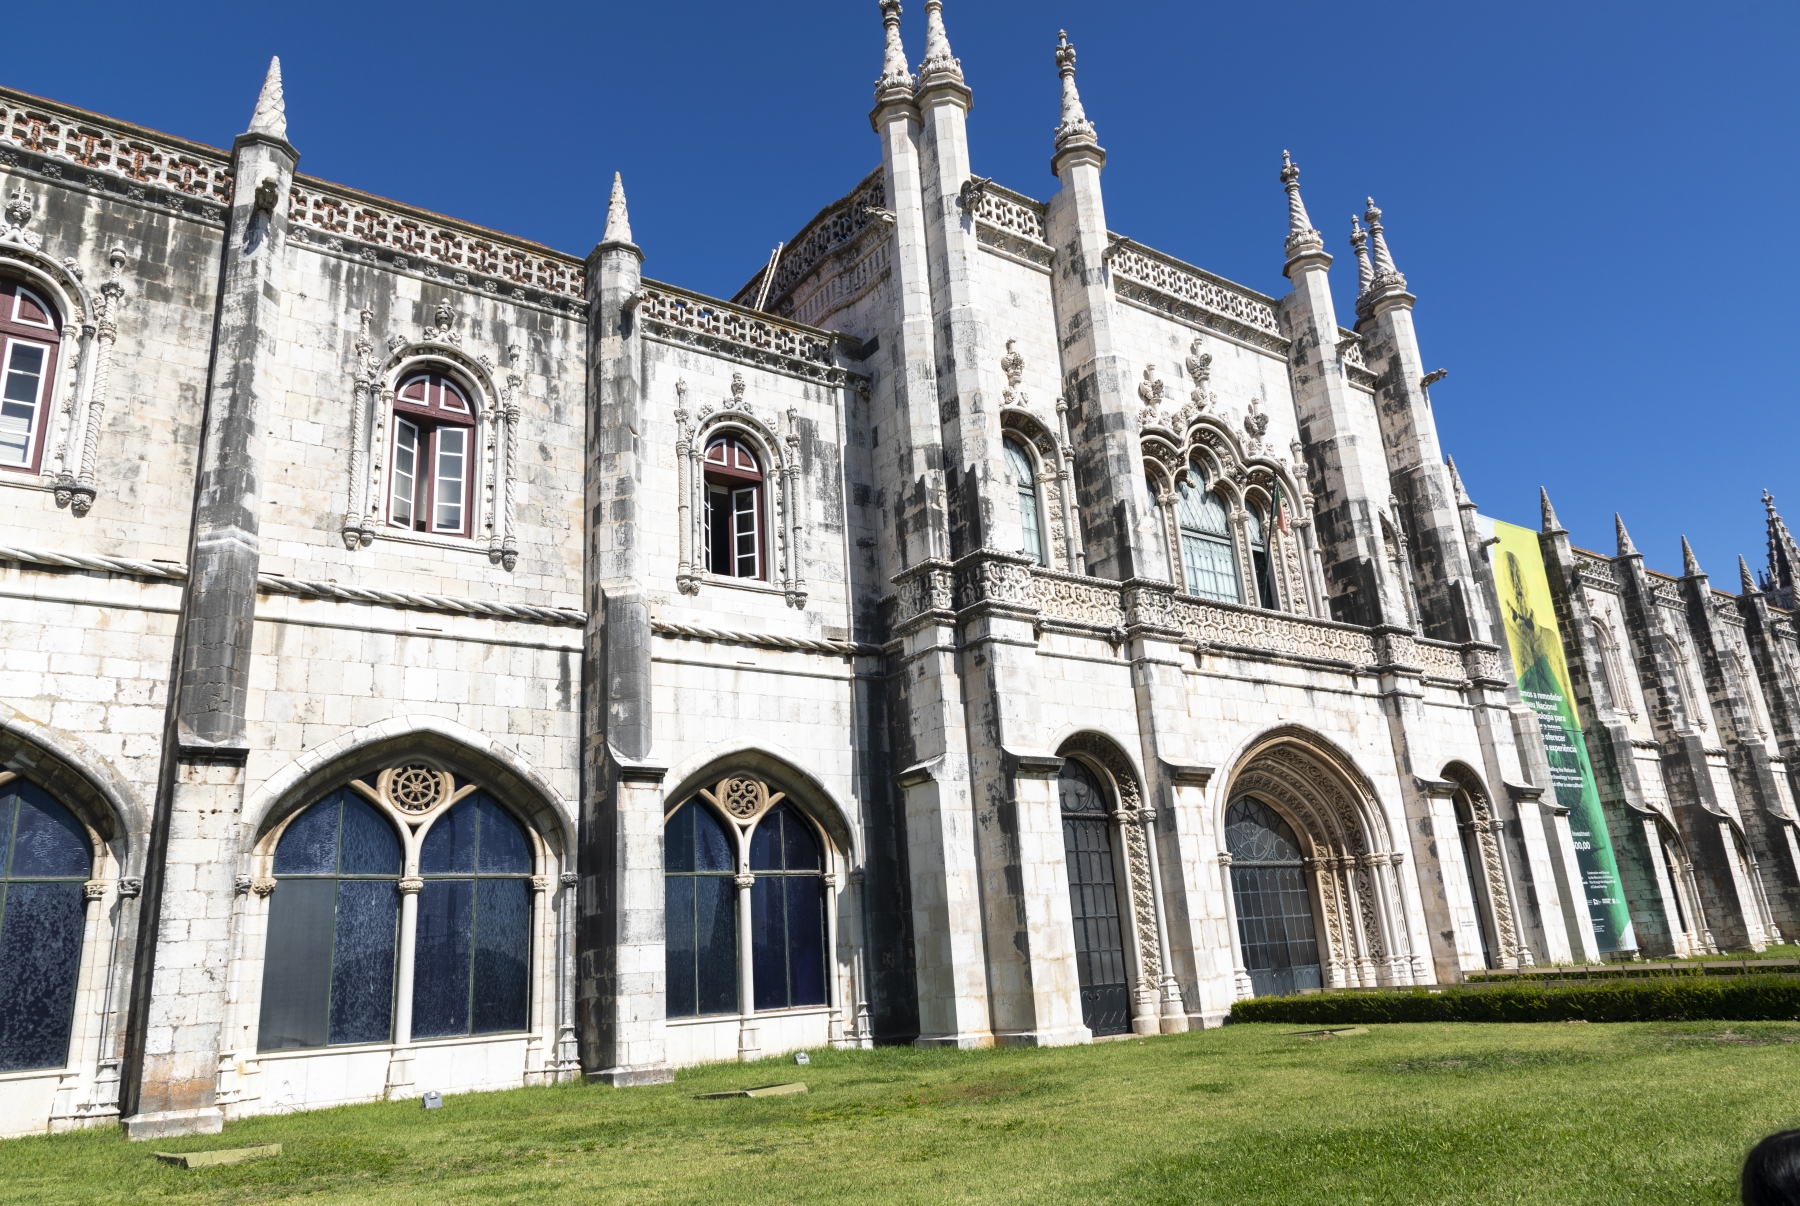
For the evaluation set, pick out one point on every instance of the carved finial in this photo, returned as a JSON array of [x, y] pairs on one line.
[[940, 66], [1075, 130], [1744, 578], [1551, 524], [1386, 275], [1784, 558], [896, 82], [1199, 367], [737, 389], [1150, 389], [1626, 548], [1456, 484], [1301, 235], [1689, 565], [618, 222], [271, 108], [1365, 272]]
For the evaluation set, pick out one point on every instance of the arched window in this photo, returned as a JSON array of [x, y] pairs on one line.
[[787, 911], [1260, 566], [734, 529], [29, 332], [433, 459], [1206, 559], [47, 858], [472, 952], [1274, 907], [1094, 900], [328, 975], [700, 913], [1475, 868], [1031, 511]]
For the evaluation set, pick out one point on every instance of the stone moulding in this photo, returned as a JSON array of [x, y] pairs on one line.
[[276, 584], [830, 230], [115, 148], [685, 319], [1165, 285]]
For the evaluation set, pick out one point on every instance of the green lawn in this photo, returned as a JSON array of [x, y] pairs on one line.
[[1644, 1113]]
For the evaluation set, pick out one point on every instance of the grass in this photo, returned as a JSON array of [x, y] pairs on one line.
[[1641, 1113]]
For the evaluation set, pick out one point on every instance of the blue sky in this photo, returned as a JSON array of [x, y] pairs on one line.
[[1595, 203]]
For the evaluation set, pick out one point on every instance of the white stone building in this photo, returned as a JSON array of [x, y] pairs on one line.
[[431, 661]]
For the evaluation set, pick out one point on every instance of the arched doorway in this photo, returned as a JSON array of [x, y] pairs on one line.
[[1276, 931], [1094, 900]]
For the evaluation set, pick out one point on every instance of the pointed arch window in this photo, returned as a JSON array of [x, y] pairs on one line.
[[700, 913], [1088, 853], [734, 509], [1260, 566], [328, 975], [472, 951], [1208, 566], [45, 858], [1031, 512], [29, 331], [787, 911], [1613, 667], [434, 453]]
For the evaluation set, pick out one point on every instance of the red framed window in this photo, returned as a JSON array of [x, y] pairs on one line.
[[734, 530], [29, 335], [433, 464]]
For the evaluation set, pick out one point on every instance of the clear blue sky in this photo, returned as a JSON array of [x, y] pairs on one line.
[[1595, 203]]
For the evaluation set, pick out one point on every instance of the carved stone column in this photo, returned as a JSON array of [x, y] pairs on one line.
[[400, 1064], [1240, 977], [1174, 1014], [749, 1039]]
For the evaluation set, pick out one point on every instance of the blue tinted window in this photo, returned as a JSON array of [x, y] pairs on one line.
[[471, 967], [787, 912], [44, 860], [329, 966], [700, 913]]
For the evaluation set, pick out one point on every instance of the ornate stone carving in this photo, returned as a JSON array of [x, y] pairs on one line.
[[1013, 365], [20, 208], [1199, 367], [1103, 753], [413, 792], [826, 235], [1162, 283], [688, 319], [744, 799], [1256, 423], [1078, 600], [1249, 628]]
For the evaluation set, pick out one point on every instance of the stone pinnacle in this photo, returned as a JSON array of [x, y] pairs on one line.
[[1690, 566], [271, 107], [1551, 524], [618, 222], [1626, 548]]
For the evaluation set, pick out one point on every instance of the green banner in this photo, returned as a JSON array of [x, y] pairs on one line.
[[1537, 654]]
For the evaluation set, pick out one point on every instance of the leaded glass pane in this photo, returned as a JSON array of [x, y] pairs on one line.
[[715, 945], [1094, 909], [449, 846], [505, 849], [806, 938], [1079, 790], [369, 844], [768, 942], [501, 991], [362, 964], [678, 948], [443, 944], [48, 842], [40, 956], [1273, 902], [714, 849], [309, 844], [800, 849], [296, 993], [700, 914]]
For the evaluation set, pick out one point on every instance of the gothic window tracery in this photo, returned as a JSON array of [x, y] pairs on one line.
[[745, 870], [1208, 565]]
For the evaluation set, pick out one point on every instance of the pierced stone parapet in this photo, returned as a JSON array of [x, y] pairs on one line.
[[94, 144], [735, 333], [1167, 285]]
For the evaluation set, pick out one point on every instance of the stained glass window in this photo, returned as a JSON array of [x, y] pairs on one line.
[[1274, 904], [328, 972], [700, 912], [472, 948], [47, 858], [787, 912]]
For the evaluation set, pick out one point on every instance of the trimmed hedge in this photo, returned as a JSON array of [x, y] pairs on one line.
[[1665, 999]]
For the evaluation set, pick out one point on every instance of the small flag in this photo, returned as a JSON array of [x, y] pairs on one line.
[[1281, 519]]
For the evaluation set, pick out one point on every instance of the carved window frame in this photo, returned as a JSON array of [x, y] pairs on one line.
[[1055, 487], [494, 408], [779, 455]]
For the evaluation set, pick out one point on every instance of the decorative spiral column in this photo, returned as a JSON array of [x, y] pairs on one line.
[[1174, 1013]]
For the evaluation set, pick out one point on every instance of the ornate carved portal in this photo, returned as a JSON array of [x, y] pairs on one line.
[[1357, 901], [1480, 834]]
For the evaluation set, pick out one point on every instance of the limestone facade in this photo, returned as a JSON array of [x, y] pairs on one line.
[[970, 503]]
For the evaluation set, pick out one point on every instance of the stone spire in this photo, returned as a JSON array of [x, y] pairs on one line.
[[618, 222], [1690, 565], [1386, 275], [896, 82], [1301, 235], [1744, 578], [1551, 523], [1075, 129], [271, 108], [1365, 272], [940, 66], [1784, 558], [1626, 548]]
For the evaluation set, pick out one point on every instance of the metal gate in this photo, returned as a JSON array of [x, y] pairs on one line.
[[1094, 902], [1274, 906]]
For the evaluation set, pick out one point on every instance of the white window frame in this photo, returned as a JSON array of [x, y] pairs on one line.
[[34, 426]]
